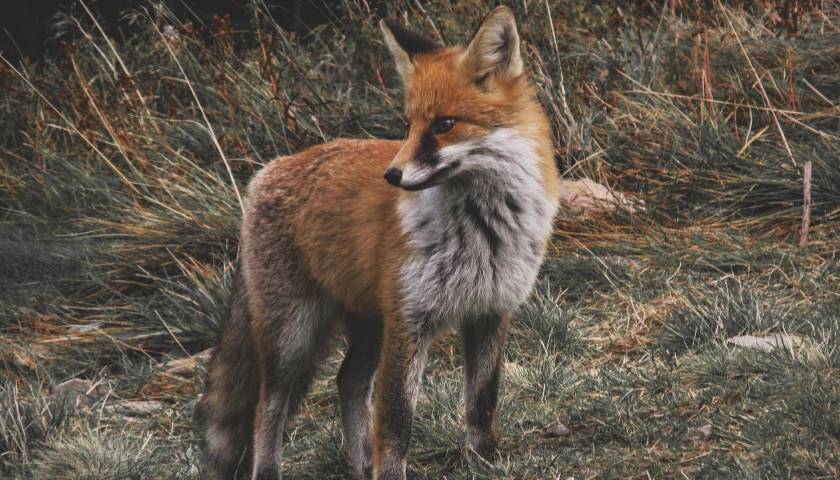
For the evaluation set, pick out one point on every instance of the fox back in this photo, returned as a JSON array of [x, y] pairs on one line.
[[452, 236]]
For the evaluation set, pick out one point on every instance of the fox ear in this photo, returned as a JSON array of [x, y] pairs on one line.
[[494, 49], [404, 45]]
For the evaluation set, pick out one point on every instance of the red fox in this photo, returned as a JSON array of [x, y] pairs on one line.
[[453, 236]]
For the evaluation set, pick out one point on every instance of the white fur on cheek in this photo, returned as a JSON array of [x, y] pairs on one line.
[[477, 241], [414, 174]]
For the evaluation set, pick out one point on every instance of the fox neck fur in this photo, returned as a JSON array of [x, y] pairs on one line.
[[476, 242]]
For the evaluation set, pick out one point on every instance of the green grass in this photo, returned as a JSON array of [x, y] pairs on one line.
[[119, 217]]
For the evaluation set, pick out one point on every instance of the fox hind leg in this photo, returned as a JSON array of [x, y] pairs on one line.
[[355, 386], [232, 394], [291, 341]]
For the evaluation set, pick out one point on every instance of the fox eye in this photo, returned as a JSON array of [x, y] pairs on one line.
[[443, 125]]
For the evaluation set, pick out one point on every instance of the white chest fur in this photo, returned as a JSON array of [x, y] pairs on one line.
[[477, 241]]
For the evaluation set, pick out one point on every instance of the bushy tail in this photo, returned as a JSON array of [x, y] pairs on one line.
[[231, 397]]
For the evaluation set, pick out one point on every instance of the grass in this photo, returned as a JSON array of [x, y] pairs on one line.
[[121, 161]]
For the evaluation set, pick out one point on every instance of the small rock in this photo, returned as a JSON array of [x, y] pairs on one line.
[[766, 343], [81, 390], [586, 195], [84, 328], [701, 433], [557, 429], [77, 385], [180, 365], [137, 407]]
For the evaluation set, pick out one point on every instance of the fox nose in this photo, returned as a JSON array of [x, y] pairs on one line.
[[393, 176]]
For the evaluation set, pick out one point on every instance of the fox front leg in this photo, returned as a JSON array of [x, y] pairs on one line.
[[398, 381], [355, 385], [484, 340]]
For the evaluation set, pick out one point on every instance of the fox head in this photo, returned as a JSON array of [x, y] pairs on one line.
[[457, 97]]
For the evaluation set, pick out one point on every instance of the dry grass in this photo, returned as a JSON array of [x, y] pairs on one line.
[[121, 163]]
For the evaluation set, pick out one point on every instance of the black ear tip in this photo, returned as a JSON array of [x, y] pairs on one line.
[[390, 23], [396, 27], [411, 42]]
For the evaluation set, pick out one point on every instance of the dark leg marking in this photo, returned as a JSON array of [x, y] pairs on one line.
[[484, 340], [397, 385], [355, 385]]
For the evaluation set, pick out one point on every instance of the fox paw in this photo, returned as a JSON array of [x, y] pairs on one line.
[[483, 452]]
